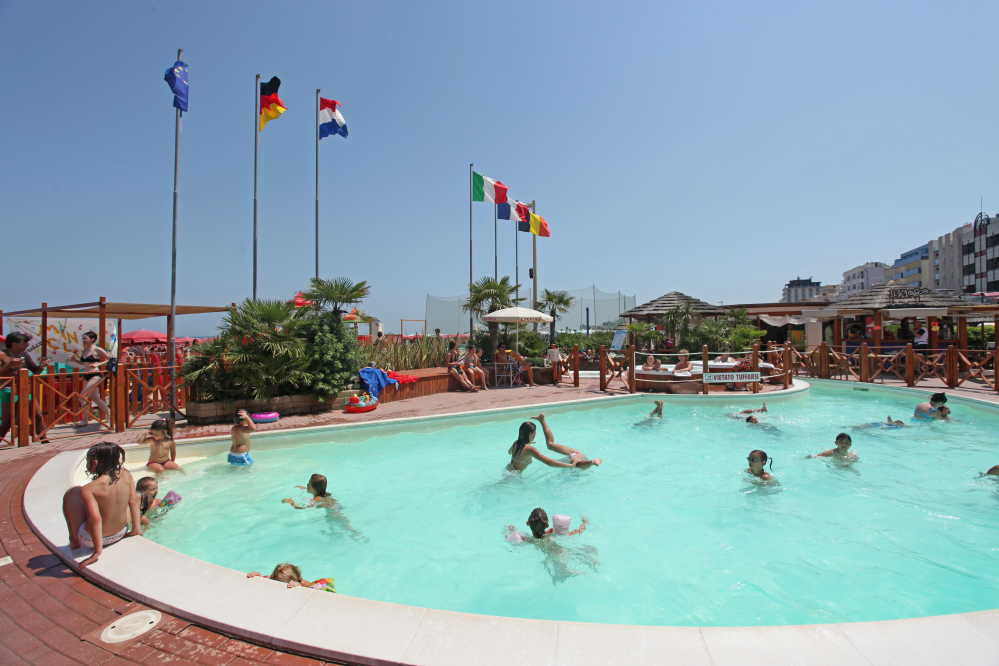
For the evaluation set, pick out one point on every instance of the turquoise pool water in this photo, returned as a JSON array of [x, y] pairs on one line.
[[678, 534]]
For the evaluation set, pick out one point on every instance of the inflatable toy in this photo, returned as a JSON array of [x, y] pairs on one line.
[[360, 404], [264, 417], [562, 523], [171, 499]]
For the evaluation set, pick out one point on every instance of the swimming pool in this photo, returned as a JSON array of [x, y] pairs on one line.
[[678, 535]]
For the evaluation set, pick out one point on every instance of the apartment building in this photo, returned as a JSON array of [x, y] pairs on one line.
[[798, 290], [979, 256], [912, 268], [860, 278]]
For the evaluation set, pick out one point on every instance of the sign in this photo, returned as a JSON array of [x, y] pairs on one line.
[[726, 377], [620, 337], [907, 292], [64, 337]]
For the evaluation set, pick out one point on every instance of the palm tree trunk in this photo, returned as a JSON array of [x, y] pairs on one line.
[[551, 334]]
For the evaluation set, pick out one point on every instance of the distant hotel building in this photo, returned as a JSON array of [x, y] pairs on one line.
[[980, 260], [860, 278], [799, 290], [912, 268], [947, 257]]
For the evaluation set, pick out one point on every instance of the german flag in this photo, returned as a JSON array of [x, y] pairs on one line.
[[271, 105]]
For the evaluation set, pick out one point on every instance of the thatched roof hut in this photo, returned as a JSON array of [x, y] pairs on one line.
[[890, 296], [659, 307]]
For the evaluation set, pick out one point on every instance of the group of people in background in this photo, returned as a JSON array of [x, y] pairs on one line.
[[472, 374]]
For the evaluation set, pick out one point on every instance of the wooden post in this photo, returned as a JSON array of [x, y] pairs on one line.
[[877, 331], [22, 389], [788, 361], [45, 333], [910, 366], [704, 368], [101, 319], [755, 365], [603, 368], [962, 332], [838, 334], [120, 396], [865, 364], [575, 366], [931, 322], [950, 366], [823, 369], [631, 369], [119, 341]]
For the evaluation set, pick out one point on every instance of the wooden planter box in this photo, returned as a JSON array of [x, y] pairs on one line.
[[207, 413]]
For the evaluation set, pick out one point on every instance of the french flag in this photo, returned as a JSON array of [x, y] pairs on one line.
[[330, 120]]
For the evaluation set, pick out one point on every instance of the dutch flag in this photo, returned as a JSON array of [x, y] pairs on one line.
[[330, 120]]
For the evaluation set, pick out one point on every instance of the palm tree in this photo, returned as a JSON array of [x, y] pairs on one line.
[[640, 332], [334, 295], [487, 295], [556, 303], [739, 318]]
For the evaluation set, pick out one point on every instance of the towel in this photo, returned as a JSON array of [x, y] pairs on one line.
[[375, 380], [402, 379]]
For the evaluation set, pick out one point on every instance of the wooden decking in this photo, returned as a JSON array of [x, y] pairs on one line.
[[431, 381]]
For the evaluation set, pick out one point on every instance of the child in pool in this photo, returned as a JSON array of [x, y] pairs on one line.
[[162, 448], [146, 488], [993, 471], [538, 522], [239, 452], [757, 459], [842, 450], [929, 410], [658, 411], [522, 453], [320, 498], [292, 575]]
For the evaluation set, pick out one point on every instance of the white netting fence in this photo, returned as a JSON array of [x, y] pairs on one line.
[[605, 308]]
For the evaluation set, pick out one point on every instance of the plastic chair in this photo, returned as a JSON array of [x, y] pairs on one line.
[[504, 371]]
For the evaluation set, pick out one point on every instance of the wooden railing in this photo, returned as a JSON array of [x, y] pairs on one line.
[[573, 362], [8, 411]]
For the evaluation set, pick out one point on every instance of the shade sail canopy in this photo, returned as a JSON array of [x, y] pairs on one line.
[[114, 310], [673, 299], [517, 316], [143, 337]]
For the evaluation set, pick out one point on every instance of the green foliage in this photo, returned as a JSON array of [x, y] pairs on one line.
[[555, 304], [334, 355], [487, 295], [743, 338], [260, 353], [334, 295], [531, 343], [424, 352], [975, 340]]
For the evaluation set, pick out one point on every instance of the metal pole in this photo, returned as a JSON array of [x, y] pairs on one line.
[[256, 150], [534, 244], [495, 242], [173, 263], [470, 278], [516, 251], [317, 183]]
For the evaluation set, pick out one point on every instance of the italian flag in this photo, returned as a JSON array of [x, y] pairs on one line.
[[487, 189]]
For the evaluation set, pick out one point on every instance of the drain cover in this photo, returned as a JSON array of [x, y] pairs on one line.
[[131, 626]]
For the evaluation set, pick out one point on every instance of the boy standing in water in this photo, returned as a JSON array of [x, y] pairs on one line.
[[842, 450], [105, 506], [239, 452]]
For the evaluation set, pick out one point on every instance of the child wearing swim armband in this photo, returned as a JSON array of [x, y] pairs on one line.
[[292, 575], [538, 522], [842, 450], [146, 488], [239, 452]]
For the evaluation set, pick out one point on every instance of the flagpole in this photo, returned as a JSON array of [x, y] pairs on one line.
[[173, 263], [495, 242], [317, 183], [516, 251], [534, 243], [256, 151], [470, 279]]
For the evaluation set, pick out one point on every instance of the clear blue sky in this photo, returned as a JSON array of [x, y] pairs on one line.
[[718, 149]]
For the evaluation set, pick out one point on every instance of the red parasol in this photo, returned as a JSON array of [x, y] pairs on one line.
[[143, 338]]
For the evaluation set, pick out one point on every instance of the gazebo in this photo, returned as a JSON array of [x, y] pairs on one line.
[[892, 301], [658, 307]]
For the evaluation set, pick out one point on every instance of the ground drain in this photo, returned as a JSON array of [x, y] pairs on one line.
[[131, 626]]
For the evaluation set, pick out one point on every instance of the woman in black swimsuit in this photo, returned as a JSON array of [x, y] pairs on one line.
[[454, 367], [92, 358]]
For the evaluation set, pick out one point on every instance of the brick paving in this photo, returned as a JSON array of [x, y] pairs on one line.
[[50, 616]]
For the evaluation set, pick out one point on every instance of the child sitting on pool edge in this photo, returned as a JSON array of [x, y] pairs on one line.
[[162, 448], [292, 575], [239, 452], [842, 450]]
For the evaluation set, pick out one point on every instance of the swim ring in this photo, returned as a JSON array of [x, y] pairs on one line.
[[264, 417]]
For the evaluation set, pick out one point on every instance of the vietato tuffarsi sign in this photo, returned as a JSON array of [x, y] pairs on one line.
[[726, 377]]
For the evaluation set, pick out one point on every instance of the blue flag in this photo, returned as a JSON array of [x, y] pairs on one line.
[[176, 78]]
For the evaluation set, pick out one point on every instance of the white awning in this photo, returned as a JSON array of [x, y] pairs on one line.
[[785, 320], [822, 313], [899, 313]]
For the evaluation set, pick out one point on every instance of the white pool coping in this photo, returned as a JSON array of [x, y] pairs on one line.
[[361, 631]]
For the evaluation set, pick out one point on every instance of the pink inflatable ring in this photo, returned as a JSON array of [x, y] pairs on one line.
[[264, 417]]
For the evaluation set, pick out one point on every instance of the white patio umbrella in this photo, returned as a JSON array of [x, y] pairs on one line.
[[517, 316]]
